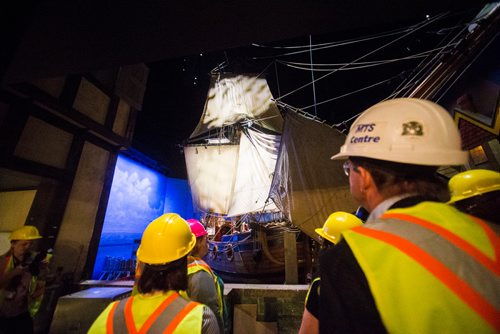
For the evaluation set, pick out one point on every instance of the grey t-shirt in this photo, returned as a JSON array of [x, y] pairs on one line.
[[202, 289]]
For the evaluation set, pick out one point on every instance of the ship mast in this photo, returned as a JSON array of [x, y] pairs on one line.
[[451, 66]]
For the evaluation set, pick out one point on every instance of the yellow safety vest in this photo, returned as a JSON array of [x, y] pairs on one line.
[[431, 269], [173, 314], [196, 264], [34, 302]]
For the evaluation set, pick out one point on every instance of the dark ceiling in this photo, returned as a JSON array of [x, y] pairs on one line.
[[54, 37], [58, 37]]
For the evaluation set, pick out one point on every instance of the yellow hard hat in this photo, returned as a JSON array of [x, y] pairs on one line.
[[337, 222], [473, 182], [166, 239], [26, 232]]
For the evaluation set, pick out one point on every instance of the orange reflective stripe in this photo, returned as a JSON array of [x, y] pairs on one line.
[[470, 249], [129, 317], [179, 317], [441, 272], [200, 263], [7, 260], [152, 318], [206, 267], [109, 322], [491, 236]]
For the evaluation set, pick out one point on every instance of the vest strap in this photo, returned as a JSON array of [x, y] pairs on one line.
[[121, 318], [109, 321], [6, 264], [492, 264], [471, 295], [179, 317], [195, 262]]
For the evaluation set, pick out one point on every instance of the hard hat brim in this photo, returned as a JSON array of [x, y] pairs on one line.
[[325, 236]]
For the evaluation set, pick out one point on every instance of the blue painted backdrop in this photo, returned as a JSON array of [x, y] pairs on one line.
[[138, 195]]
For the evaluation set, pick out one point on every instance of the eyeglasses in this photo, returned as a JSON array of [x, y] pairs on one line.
[[348, 165]]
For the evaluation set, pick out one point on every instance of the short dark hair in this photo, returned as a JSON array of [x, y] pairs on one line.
[[165, 277], [393, 178], [197, 246]]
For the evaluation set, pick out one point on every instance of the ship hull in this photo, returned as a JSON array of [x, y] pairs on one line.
[[253, 257]]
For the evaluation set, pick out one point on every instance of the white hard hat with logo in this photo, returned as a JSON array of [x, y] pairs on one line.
[[405, 130]]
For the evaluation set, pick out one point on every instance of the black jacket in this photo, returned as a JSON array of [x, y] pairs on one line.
[[346, 302]]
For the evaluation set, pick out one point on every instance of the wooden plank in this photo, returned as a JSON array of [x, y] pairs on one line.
[[291, 265]]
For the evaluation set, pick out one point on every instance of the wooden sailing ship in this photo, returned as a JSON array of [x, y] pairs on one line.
[[257, 172], [246, 170]]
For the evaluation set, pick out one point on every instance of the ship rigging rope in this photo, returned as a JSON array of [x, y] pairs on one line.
[[277, 77], [353, 92], [465, 69], [265, 68], [312, 74], [424, 67], [321, 46], [420, 26], [330, 44], [348, 66], [232, 244], [303, 113], [230, 248]]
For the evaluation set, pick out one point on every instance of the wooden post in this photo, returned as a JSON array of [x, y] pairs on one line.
[[291, 265]]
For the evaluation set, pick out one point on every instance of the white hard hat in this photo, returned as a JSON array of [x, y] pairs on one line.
[[405, 130]]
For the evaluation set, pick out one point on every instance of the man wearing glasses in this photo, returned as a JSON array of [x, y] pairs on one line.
[[417, 265]]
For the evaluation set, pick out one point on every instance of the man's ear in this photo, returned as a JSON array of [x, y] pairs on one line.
[[366, 179], [369, 189]]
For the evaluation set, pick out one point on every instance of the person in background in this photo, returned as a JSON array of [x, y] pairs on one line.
[[417, 265], [477, 192], [224, 228], [361, 213], [330, 234], [158, 307], [204, 286], [337, 222], [22, 282]]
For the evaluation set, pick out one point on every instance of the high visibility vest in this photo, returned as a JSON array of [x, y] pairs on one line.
[[174, 315], [431, 269], [34, 298], [196, 264]]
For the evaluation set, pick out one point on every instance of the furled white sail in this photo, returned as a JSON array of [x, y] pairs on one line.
[[236, 98]]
